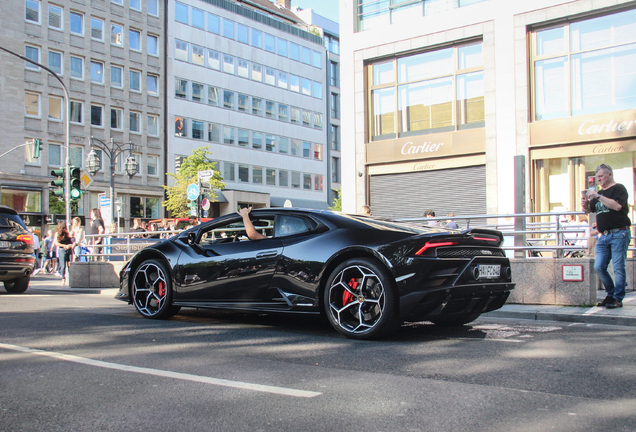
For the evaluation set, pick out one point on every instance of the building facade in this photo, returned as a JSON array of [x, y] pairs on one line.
[[248, 80], [110, 55], [440, 97]]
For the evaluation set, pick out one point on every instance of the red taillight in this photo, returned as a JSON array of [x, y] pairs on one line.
[[429, 245], [26, 260], [486, 238], [26, 238]]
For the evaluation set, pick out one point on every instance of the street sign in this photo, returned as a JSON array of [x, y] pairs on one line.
[[205, 176], [86, 180], [205, 204], [193, 191]]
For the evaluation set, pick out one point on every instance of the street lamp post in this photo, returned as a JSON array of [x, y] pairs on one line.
[[113, 150]]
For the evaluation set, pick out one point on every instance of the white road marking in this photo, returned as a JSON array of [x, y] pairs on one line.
[[166, 374]]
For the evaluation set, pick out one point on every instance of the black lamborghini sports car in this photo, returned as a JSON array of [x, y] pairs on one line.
[[367, 275]]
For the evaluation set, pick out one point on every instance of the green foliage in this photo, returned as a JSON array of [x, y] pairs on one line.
[[177, 200], [57, 206], [337, 201]]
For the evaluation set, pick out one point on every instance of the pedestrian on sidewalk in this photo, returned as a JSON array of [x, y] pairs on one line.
[[613, 225], [64, 248]]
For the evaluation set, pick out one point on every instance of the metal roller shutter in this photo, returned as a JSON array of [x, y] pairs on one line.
[[458, 190]]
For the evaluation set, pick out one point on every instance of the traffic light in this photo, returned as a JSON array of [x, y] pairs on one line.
[[58, 183], [76, 183], [37, 148]]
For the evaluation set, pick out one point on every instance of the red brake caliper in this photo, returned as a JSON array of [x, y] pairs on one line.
[[162, 289], [347, 297]]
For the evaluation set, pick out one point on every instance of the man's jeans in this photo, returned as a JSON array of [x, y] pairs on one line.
[[612, 246]]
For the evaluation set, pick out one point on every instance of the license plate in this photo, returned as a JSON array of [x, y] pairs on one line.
[[489, 271], [5, 244]]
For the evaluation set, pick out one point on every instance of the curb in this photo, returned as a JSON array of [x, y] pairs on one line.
[[584, 317]]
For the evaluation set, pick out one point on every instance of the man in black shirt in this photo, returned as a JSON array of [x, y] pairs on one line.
[[613, 225], [96, 227]]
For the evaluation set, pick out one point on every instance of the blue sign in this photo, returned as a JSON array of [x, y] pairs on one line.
[[193, 191]]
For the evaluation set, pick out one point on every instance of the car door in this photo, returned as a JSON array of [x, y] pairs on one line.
[[223, 265]]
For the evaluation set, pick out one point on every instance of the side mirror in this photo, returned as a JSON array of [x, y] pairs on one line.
[[192, 238]]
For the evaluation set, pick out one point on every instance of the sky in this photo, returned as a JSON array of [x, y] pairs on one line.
[[326, 8]]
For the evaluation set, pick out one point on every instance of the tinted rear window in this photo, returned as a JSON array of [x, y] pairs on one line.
[[390, 225], [9, 220]]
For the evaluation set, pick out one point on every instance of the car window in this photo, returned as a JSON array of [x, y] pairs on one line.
[[289, 225], [234, 230], [8, 220]]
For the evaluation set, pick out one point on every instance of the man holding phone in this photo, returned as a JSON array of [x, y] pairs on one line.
[[613, 225]]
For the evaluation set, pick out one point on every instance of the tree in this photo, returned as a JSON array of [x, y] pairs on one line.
[[337, 201], [177, 200]]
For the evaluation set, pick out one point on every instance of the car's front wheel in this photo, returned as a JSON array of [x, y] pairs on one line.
[[17, 286], [361, 299], [152, 291]]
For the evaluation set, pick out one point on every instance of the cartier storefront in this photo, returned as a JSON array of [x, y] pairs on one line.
[[565, 153]]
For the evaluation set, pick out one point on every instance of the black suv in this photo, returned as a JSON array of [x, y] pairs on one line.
[[16, 252]]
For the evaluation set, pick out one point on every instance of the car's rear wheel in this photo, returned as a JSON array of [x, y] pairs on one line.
[[17, 286], [152, 291], [455, 321], [361, 299]]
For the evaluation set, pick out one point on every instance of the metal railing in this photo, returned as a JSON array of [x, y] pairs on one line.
[[533, 234], [125, 243]]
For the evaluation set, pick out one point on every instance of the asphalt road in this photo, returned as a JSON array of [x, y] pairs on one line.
[[82, 362]]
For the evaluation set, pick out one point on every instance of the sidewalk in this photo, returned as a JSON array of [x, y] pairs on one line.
[[625, 316]]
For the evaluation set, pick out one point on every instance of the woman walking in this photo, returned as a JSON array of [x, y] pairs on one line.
[[64, 248]]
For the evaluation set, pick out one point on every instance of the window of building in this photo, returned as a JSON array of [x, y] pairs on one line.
[[283, 178], [270, 43], [228, 135], [335, 105], [213, 96], [97, 72], [197, 92], [282, 80], [77, 112], [228, 28], [270, 76], [197, 129], [181, 50], [152, 43], [257, 106], [135, 80], [56, 112], [295, 115], [431, 91], [153, 7], [257, 140], [244, 173], [55, 17], [153, 125], [180, 127], [116, 76], [152, 84], [214, 133], [333, 74], [270, 176], [228, 171], [181, 13], [283, 112], [55, 154], [281, 47], [228, 64], [32, 53], [294, 51], [214, 60], [257, 175], [306, 118], [243, 68], [318, 151], [335, 139], [257, 38], [317, 182], [134, 40], [335, 170], [214, 24], [119, 2], [257, 72], [135, 5], [56, 62], [270, 109], [295, 180], [197, 18], [97, 29], [77, 23], [305, 55], [295, 147], [307, 181], [198, 56], [585, 67], [76, 156], [116, 118], [228, 99], [144, 207], [116, 35], [306, 149], [32, 11], [97, 115], [294, 83], [332, 44], [32, 104], [243, 137], [242, 33], [270, 143], [243, 102], [306, 86], [77, 67], [318, 120], [134, 124], [283, 145], [316, 59]]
